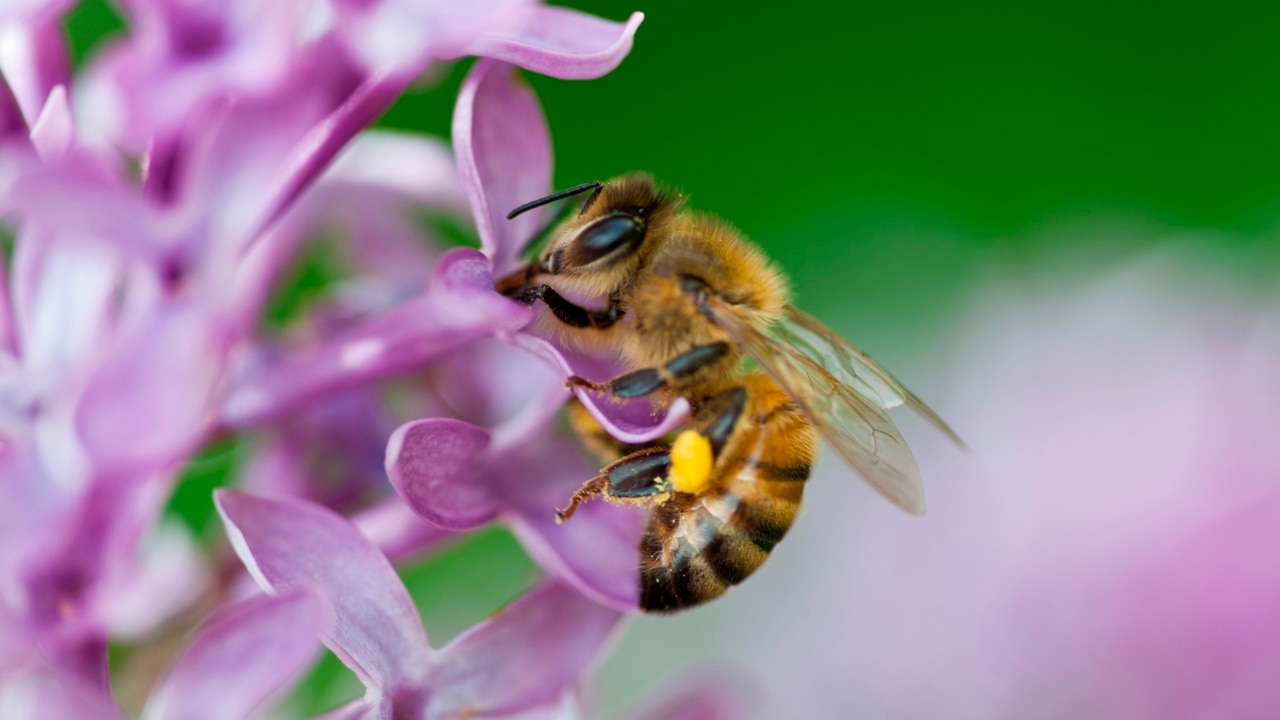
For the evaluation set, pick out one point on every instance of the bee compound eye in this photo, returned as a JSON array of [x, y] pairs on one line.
[[611, 235]]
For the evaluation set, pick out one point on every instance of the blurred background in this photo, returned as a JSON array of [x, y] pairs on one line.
[[1056, 222]]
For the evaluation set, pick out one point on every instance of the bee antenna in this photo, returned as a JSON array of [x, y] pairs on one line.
[[578, 190]]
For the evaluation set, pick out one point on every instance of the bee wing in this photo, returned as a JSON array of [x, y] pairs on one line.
[[843, 392], [850, 365]]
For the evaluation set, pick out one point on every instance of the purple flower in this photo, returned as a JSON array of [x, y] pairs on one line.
[[239, 658], [524, 658], [130, 309]]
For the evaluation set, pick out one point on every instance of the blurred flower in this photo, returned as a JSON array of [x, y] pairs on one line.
[[1107, 550], [526, 657], [130, 311], [239, 657]]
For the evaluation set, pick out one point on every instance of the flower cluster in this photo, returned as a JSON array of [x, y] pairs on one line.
[[157, 199]]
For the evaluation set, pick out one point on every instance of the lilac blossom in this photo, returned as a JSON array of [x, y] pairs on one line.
[[129, 311], [239, 658], [524, 658]]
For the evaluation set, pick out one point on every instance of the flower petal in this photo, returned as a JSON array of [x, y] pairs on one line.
[[165, 372], [437, 467], [504, 157], [562, 43], [46, 695], [524, 657], [289, 544], [406, 34], [167, 576], [633, 421], [53, 130], [458, 309], [33, 60], [399, 532], [243, 655], [598, 550]]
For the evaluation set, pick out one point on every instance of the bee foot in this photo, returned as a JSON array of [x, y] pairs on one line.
[[577, 381]]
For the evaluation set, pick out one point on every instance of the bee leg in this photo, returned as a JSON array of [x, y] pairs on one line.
[[639, 479], [589, 489], [643, 382], [718, 415], [566, 312]]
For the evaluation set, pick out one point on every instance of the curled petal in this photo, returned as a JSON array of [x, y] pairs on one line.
[[460, 307], [289, 544], [633, 421], [562, 43], [504, 157], [406, 34], [522, 658], [242, 656], [437, 467]]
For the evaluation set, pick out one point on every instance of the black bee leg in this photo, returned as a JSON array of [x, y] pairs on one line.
[[643, 382], [639, 479], [565, 311], [717, 415]]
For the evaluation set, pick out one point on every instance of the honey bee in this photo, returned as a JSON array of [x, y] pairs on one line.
[[684, 301]]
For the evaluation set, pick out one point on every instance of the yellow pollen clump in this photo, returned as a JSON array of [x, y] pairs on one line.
[[690, 463]]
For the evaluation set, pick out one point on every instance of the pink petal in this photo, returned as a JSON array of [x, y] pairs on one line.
[[399, 532], [458, 309], [437, 467], [167, 574], [45, 695], [524, 657], [12, 125], [33, 60], [289, 544], [560, 42], [53, 130], [315, 150], [633, 421], [504, 157], [242, 656], [184, 58], [598, 549], [165, 372], [407, 34]]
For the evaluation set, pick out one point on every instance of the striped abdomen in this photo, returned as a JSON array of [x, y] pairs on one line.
[[696, 546]]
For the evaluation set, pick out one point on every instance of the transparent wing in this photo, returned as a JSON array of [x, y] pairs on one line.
[[843, 392], [850, 365]]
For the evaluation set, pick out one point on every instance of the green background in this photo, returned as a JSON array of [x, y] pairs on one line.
[[890, 157]]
